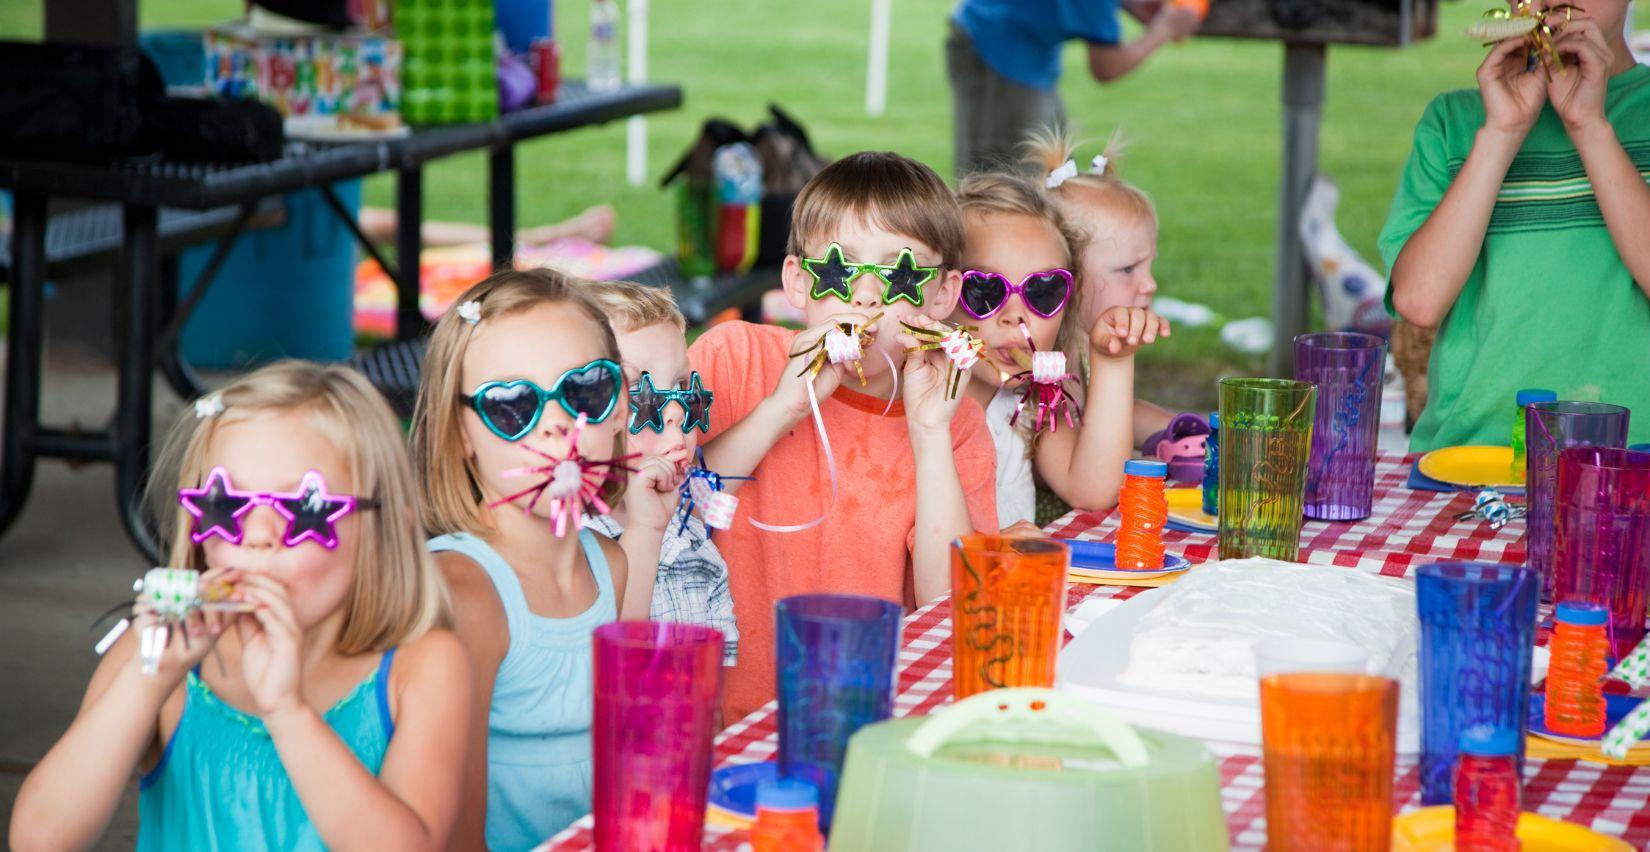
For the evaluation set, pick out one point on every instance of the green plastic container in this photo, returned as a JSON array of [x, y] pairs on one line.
[[1026, 769]]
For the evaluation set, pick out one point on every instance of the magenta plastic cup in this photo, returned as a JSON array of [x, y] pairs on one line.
[[657, 687], [1548, 428], [1602, 551], [1349, 370]]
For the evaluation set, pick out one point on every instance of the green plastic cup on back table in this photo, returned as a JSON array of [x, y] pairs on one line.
[[1266, 435]]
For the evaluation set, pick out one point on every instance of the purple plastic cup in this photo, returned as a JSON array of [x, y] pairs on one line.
[[1349, 369], [1601, 552], [657, 687], [1548, 428], [835, 659]]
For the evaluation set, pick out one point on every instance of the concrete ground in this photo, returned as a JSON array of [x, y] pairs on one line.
[[64, 561]]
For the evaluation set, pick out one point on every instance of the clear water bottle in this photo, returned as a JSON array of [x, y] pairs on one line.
[[601, 69]]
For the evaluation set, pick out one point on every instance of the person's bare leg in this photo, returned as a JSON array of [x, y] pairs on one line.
[[379, 223], [594, 224]]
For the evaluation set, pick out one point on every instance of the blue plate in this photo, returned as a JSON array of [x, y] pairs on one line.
[[733, 788], [1102, 556], [1616, 707]]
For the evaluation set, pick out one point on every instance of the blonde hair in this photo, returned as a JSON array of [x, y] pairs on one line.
[[1015, 195], [396, 594], [1105, 193], [634, 306], [451, 490], [895, 193]]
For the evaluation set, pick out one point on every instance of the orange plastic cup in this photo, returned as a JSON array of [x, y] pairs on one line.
[[1329, 742], [1007, 597]]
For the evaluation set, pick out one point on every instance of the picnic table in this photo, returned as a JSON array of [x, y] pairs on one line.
[[149, 317], [1407, 528]]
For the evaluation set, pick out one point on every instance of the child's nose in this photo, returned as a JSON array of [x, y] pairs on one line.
[[1148, 284], [262, 528], [867, 293]]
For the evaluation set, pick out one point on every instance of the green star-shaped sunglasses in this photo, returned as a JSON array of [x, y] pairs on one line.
[[902, 279]]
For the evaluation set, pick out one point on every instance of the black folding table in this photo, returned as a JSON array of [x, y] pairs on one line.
[[148, 317]]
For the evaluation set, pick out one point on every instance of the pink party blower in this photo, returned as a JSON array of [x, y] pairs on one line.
[[657, 689]]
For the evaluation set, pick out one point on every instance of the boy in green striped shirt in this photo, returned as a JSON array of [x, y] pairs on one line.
[[1521, 230]]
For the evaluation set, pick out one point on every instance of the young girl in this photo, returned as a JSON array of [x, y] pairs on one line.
[[1020, 291], [669, 408], [1118, 226], [522, 371], [329, 715]]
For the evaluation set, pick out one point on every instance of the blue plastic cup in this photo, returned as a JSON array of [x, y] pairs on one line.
[[835, 659], [1477, 635]]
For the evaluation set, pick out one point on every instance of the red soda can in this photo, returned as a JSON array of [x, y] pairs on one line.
[[545, 57]]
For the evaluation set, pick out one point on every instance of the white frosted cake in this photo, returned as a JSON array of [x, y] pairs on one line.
[[1199, 638]]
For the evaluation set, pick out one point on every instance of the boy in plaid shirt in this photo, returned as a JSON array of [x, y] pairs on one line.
[[669, 409]]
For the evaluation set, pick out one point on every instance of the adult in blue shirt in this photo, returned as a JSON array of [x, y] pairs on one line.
[[1003, 58]]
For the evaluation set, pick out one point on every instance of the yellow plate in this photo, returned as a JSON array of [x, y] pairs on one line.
[[1148, 582], [1433, 830], [1186, 506], [1471, 466]]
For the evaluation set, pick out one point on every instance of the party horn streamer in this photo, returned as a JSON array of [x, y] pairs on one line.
[[962, 349], [573, 483], [171, 595], [1525, 21], [702, 489], [1044, 388]]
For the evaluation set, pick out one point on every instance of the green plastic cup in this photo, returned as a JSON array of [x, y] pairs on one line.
[[1266, 435]]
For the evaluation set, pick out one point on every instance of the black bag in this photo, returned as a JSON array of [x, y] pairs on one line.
[[75, 102], [97, 103]]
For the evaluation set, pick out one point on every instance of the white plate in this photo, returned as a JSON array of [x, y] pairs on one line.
[[1090, 663]]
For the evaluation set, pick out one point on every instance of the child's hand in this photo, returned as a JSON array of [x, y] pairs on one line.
[[651, 497], [202, 629], [1512, 95], [270, 643], [1578, 94], [928, 406], [1122, 330], [1176, 20], [792, 390], [1024, 529]]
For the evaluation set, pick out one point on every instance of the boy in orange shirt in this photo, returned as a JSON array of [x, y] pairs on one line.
[[908, 481]]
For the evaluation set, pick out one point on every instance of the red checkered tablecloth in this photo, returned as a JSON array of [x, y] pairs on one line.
[[1407, 528]]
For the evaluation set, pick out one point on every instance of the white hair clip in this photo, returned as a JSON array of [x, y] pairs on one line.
[[1065, 172], [1098, 167], [210, 405], [470, 312]]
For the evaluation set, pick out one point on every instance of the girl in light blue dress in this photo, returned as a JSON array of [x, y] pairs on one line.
[[516, 435]]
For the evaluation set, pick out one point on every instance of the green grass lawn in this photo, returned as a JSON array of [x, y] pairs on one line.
[[1203, 117]]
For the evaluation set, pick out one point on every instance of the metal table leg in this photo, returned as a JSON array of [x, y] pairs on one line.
[[134, 301], [25, 342], [501, 204], [1303, 84], [409, 221]]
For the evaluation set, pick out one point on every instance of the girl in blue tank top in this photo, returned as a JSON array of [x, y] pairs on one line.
[[517, 435], [316, 703]]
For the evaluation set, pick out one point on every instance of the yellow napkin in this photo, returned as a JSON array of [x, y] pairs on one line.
[[1550, 750]]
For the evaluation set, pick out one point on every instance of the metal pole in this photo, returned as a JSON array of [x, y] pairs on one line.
[[134, 300], [501, 204], [24, 344], [876, 71], [409, 243], [1303, 85], [636, 127]]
